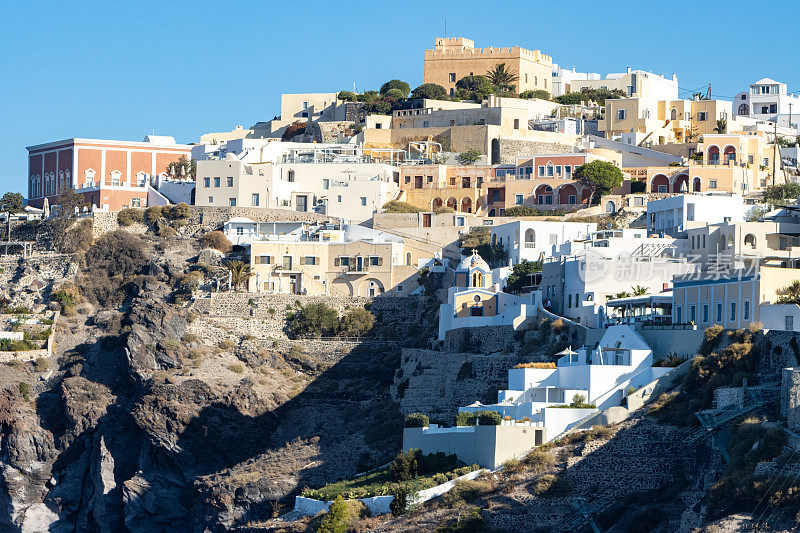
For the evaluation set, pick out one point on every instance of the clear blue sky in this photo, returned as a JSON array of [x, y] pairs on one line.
[[119, 70]]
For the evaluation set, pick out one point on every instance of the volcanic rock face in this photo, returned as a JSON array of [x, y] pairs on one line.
[[142, 426]]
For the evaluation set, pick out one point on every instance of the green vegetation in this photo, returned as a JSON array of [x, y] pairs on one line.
[[598, 95], [417, 420], [182, 168], [600, 176], [738, 489], [320, 320], [397, 85], [430, 91], [110, 266], [484, 418], [25, 391], [410, 472], [578, 402], [536, 365], [479, 238], [394, 206], [130, 216], [671, 361], [59, 225], [240, 272], [790, 294], [470, 157], [538, 93], [538, 460], [724, 359], [777, 194], [335, 520], [217, 240], [9, 345], [550, 485], [520, 276], [236, 368], [526, 211], [502, 79], [12, 202], [474, 88]]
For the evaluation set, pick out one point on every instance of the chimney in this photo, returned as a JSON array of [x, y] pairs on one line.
[[629, 70]]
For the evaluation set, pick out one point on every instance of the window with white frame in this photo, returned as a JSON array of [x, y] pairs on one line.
[[712, 184], [230, 181], [550, 170], [541, 170], [518, 199], [232, 202], [116, 178], [567, 171], [621, 114], [88, 177], [136, 202], [702, 116], [141, 179]]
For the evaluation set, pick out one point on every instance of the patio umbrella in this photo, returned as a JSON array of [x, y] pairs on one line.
[[567, 351]]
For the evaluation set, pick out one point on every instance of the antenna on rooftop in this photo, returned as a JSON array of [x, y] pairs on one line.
[[445, 26]]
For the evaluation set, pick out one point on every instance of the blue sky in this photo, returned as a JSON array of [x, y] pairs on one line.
[[117, 70]]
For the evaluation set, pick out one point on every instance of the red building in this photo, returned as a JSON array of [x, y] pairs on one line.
[[110, 174]]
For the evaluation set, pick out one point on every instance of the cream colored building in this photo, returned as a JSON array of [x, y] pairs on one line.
[[633, 83], [454, 58], [334, 260], [305, 179]]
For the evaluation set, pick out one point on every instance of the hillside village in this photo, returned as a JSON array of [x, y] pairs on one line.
[[515, 297]]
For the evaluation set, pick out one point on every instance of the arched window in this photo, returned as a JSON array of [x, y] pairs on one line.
[[723, 243], [116, 178], [744, 109], [696, 184], [88, 176], [477, 279], [674, 114], [750, 240], [530, 236], [141, 179], [408, 258]]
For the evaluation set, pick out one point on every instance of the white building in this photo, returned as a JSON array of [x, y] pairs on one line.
[[334, 180], [579, 283], [622, 359], [633, 83], [675, 214], [532, 239], [477, 299], [769, 100]]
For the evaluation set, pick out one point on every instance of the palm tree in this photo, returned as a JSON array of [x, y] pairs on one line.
[[240, 273], [622, 294], [722, 126], [502, 78], [638, 290]]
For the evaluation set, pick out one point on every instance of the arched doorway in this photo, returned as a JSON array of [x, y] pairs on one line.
[[567, 195], [466, 205], [371, 287], [744, 109], [730, 155], [530, 238], [544, 194], [681, 183], [713, 155], [673, 114], [452, 203], [696, 182], [437, 203], [660, 183], [341, 287], [750, 240], [610, 207]]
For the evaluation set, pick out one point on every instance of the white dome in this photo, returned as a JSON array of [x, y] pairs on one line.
[[473, 261]]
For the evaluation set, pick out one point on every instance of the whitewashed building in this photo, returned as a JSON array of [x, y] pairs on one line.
[[530, 240], [676, 214]]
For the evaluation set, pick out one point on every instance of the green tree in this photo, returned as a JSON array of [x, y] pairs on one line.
[[790, 294], [314, 320], [182, 168], [474, 88], [778, 193], [470, 157], [599, 176], [347, 96], [240, 273], [70, 204], [12, 202], [396, 206], [479, 238], [570, 99], [502, 78], [520, 276], [722, 126], [335, 520], [430, 91], [357, 322], [541, 94], [400, 85]]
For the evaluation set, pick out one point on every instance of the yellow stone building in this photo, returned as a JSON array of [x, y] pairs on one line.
[[454, 58]]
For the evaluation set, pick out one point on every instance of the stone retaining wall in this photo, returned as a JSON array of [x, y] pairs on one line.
[[510, 148]]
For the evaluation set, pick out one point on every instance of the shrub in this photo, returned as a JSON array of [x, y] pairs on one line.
[[405, 465], [41, 364], [470, 157], [25, 390], [357, 322], [598, 433], [464, 491], [176, 212], [399, 85], [431, 91], [130, 216], [189, 338], [399, 505], [236, 368], [217, 240], [314, 320], [417, 420], [335, 520], [538, 460], [153, 213], [538, 93], [512, 466], [488, 418], [550, 485], [227, 344], [395, 206], [536, 365], [465, 418]]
